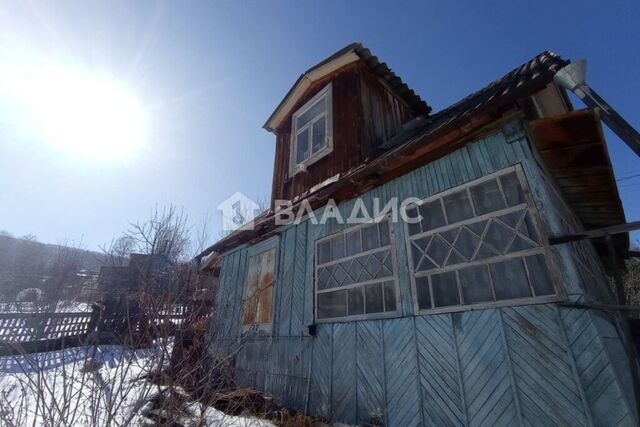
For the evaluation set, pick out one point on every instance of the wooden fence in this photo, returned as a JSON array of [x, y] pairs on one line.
[[36, 332]]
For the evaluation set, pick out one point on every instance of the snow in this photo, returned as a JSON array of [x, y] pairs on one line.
[[61, 388]]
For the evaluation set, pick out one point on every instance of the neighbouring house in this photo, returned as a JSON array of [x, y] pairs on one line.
[[455, 308], [142, 272]]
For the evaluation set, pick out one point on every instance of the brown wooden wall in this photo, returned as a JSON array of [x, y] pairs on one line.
[[365, 114]]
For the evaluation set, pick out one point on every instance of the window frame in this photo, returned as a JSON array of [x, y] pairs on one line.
[[397, 312], [544, 249], [294, 166], [267, 327]]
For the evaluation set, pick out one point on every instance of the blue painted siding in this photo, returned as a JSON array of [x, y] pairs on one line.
[[528, 365]]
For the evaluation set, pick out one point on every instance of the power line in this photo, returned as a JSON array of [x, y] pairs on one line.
[[628, 177]]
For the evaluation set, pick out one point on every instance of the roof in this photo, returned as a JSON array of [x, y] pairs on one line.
[[347, 55], [427, 137], [537, 72]]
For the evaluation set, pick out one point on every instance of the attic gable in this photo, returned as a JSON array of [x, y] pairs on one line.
[[348, 55]]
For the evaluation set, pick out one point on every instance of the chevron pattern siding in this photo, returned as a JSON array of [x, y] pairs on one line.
[[285, 283], [597, 377], [485, 369], [370, 372], [442, 401], [320, 391], [299, 284], [401, 373], [343, 384], [544, 377]]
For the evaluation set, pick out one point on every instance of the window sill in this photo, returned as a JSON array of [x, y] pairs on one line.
[[303, 166], [498, 304], [371, 316]]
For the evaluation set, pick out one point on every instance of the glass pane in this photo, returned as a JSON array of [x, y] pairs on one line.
[[383, 229], [539, 275], [324, 252], [487, 197], [253, 275], [353, 243], [311, 113], [249, 310], [372, 266], [302, 146], [337, 247], [445, 289], [414, 227], [355, 270], [340, 273], [385, 268], [438, 250], [422, 289], [324, 278], [418, 247], [475, 284], [373, 298], [499, 236], [512, 189], [458, 206], [332, 304], [510, 279], [370, 237], [432, 215], [389, 296], [527, 228], [356, 301], [319, 134], [264, 305], [467, 243]]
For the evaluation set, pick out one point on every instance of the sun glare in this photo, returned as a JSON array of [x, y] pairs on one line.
[[82, 114]]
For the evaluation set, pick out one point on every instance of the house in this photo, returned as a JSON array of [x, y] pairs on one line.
[[453, 307], [143, 272]]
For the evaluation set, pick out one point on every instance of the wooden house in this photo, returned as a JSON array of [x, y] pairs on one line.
[[467, 316]]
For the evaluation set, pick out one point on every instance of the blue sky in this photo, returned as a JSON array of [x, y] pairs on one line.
[[208, 74]]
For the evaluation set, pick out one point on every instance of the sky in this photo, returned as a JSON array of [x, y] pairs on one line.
[[199, 79]]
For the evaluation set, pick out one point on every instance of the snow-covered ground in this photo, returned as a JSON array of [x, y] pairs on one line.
[[90, 386]]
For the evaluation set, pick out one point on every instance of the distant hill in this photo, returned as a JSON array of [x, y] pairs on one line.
[[26, 263]]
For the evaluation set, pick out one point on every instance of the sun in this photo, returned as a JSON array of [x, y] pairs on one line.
[[83, 114]]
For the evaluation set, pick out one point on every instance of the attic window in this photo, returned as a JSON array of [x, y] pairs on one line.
[[311, 131]]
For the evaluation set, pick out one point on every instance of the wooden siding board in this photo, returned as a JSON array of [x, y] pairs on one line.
[[321, 372], [313, 233], [596, 374], [485, 375], [237, 291], [343, 382], [541, 366], [300, 287], [441, 394], [401, 370], [370, 372], [288, 244]]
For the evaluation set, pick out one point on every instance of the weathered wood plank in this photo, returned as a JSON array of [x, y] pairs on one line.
[[370, 373]]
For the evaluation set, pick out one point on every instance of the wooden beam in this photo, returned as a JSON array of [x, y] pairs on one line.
[[595, 233]]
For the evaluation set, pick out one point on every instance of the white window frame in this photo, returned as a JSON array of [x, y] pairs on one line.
[[394, 278], [295, 167], [544, 249]]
